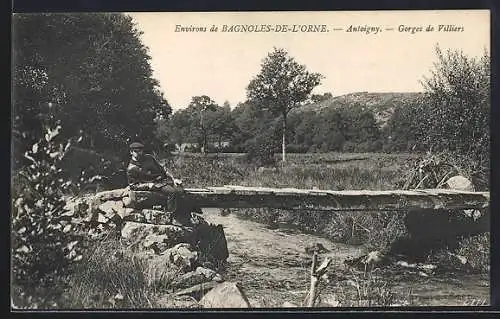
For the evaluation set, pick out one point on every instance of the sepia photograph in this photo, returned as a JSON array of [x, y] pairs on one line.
[[247, 160]]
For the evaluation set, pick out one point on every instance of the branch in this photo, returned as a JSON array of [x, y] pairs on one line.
[[316, 274]]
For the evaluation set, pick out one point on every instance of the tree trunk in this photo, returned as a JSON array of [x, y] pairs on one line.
[[220, 142], [314, 282], [283, 144], [204, 142], [203, 133]]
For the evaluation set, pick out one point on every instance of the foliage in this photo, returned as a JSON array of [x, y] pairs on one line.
[[457, 115], [477, 252], [68, 64], [450, 122], [321, 97], [177, 129], [44, 240], [457, 94], [402, 129], [201, 122], [248, 120], [367, 289], [349, 129], [281, 85], [220, 125], [262, 147], [198, 106]]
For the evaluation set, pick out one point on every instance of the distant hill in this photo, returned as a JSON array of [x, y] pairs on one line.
[[381, 104]]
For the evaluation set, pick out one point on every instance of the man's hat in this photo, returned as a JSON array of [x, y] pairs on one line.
[[136, 145]]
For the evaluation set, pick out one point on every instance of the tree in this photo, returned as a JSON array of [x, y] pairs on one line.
[[455, 118], [197, 108], [176, 129], [321, 97], [244, 116], [281, 85], [329, 128], [92, 71], [219, 124], [402, 129]]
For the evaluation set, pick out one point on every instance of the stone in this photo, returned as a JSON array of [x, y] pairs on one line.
[[158, 243], [139, 231], [225, 295], [78, 207], [147, 199], [182, 255], [198, 289], [111, 207], [209, 273], [102, 219], [159, 269], [374, 258], [115, 194], [460, 182], [136, 216], [212, 242], [288, 304], [159, 217], [127, 201], [125, 212], [197, 220], [198, 276]]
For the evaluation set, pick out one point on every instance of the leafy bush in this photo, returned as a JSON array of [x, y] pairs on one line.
[[44, 239], [458, 91]]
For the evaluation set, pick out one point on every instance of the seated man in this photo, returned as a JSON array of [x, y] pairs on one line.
[[145, 173]]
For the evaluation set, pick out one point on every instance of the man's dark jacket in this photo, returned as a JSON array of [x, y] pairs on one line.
[[146, 170]]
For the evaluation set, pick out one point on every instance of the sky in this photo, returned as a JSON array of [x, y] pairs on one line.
[[221, 64]]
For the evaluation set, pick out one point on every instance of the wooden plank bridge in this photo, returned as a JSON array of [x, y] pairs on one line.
[[231, 196], [103, 206]]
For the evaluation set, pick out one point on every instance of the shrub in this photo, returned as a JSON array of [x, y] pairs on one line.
[[261, 150], [44, 239], [367, 289]]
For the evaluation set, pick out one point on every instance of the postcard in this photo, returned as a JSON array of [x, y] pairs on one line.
[[249, 160]]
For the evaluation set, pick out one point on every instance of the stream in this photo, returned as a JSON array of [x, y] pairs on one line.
[[272, 267]]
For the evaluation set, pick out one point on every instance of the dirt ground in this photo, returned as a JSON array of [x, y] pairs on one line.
[[273, 267]]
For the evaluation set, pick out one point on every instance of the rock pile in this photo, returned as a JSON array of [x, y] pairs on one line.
[[194, 249]]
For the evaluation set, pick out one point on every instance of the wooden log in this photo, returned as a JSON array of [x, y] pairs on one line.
[[325, 200]]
